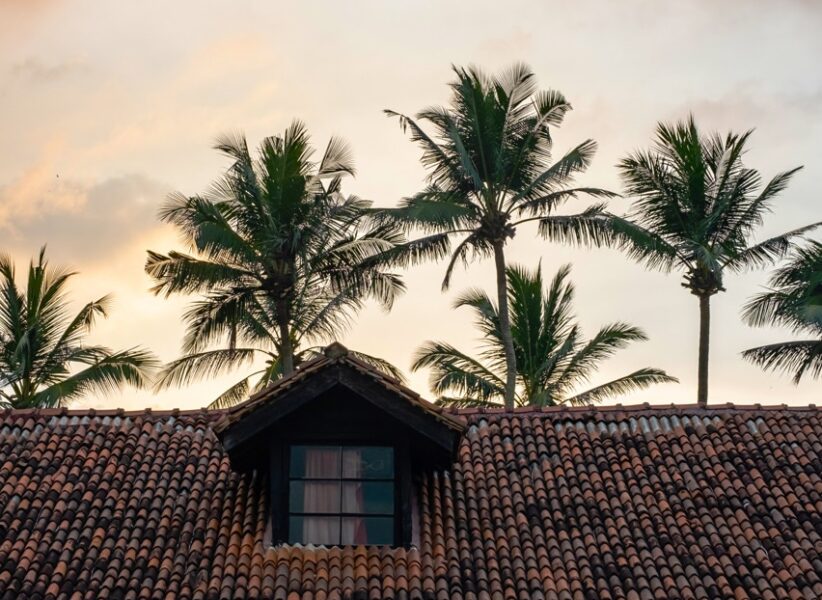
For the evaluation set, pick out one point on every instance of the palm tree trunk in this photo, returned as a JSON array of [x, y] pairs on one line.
[[704, 343], [505, 327], [286, 348]]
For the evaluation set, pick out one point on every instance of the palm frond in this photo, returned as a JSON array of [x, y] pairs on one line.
[[643, 245], [453, 371], [576, 160], [795, 358], [127, 367], [768, 251], [197, 365], [381, 365], [603, 345], [233, 396], [176, 272], [591, 227], [638, 380]]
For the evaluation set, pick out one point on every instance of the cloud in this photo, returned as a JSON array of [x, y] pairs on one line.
[[19, 17], [81, 223], [36, 190], [37, 71]]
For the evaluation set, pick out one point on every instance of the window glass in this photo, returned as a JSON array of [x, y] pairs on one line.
[[372, 497], [314, 530], [341, 495], [369, 462], [314, 496], [378, 531], [315, 462]]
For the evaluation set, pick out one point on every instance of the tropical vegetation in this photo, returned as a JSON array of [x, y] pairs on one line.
[[281, 257], [554, 360], [280, 261], [44, 359], [794, 300], [696, 208], [490, 170]]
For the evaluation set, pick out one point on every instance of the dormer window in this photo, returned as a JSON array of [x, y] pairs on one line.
[[342, 495], [341, 446]]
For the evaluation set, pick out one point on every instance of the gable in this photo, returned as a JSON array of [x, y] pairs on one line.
[[359, 397]]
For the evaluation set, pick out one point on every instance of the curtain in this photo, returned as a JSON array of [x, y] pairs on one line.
[[321, 496]]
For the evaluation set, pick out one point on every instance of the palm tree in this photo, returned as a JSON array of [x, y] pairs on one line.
[[317, 312], [280, 255], [490, 171], [795, 301], [43, 360], [553, 358], [696, 208]]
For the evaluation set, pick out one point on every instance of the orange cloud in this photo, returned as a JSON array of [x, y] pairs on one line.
[[37, 190]]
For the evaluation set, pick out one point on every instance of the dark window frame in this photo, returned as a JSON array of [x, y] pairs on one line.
[[396, 508], [279, 471]]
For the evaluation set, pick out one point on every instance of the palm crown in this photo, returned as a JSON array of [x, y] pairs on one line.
[[553, 357], [696, 208], [489, 158], [281, 256], [43, 359], [794, 301]]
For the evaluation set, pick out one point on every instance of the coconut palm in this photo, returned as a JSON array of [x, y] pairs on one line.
[[43, 360], [696, 208], [281, 257], [490, 170], [794, 301], [317, 312], [553, 358]]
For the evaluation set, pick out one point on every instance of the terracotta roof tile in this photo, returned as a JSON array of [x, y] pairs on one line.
[[640, 502]]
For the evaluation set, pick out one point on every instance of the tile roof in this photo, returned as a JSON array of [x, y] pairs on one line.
[[634, 503]]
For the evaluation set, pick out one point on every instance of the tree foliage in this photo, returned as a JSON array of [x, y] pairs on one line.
[[44, 360], [696, 209], [794, 300], [280, 257], [489, 156], [554, 360]]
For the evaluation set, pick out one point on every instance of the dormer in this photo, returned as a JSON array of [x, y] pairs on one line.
[[342, 444]]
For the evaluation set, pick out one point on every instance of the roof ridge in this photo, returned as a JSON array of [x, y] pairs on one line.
[[109, 412], [643, 408]]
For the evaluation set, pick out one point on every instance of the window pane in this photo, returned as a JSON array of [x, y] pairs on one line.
[[314, 496], [376, 497], [314, 530], [368, 462], [315, 462], [368, 530]]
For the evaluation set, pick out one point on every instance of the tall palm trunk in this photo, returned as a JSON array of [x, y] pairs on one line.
[[286, 347], [505, 327], [704, 346]]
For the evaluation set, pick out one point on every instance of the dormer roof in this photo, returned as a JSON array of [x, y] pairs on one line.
[[338, 368]]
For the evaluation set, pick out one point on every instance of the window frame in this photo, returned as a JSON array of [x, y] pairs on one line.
[[280, 477], [394, 515]]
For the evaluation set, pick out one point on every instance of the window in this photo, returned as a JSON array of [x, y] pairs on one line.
[[341, 495]]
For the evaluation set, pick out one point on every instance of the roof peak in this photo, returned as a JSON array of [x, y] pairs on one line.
[[335, 350]]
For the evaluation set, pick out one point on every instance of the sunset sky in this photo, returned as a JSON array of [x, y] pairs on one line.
[[106, 107]]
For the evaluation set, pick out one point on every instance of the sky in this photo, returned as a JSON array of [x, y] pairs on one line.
[[107, 107]]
